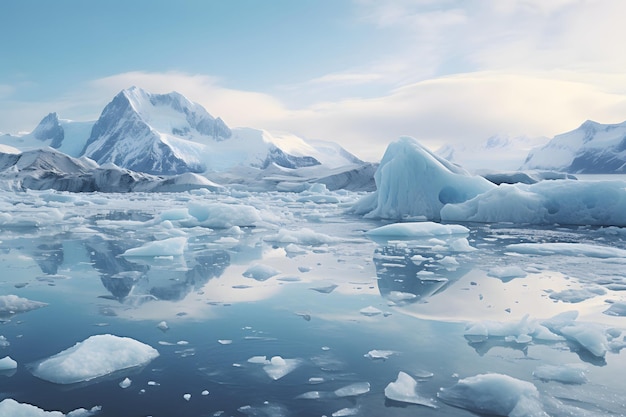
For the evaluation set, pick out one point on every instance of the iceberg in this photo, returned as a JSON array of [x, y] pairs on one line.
[[412, 182], [404, 389], [495, 394], [97, 356]]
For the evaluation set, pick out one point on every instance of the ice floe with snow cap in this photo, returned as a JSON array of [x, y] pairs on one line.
[[95, 357]]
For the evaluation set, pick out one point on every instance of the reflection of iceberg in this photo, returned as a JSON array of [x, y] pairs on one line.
[[147, 279], [415, 270]]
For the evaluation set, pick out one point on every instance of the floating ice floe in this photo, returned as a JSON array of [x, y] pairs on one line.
[[174, 246], [379, 354], [346, 412], [352, 390], [12, 304], [279, 367], [495, 394], [325, 290], [404, 389], [418, 230], [566, 374], [303, 236], [260, 272], [507, 273], [616, 309], [94, 357], [163, 326], [10, 407], [567, 249], [577, 295], [223, 216], [7, 363], [370, 311]]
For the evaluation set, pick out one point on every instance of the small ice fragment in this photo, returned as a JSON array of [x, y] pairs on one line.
[[304, 269], [259, 359], [316, 380], [224, 341], [355, 389], [379, 354], [370, 311], [153, 383], [7, 363], [346, 412], [173, 246], [399, 296], [182, 342], [279, 367], [187, 397], [205, 392], [404, 389], [125, 383], [311, 395], [163, 326], [325, 348]]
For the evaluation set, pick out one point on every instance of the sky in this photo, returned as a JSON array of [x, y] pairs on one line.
[[357, 72]]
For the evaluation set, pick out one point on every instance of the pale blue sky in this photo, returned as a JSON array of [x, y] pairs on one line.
[[359, 72]]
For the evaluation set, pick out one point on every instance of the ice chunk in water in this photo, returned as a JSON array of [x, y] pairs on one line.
[[260, 272], [125, 383], [567, 374], [507, 273], [370, 311], [417, 229], [10, 407], [94, 357], [174, 246], [346, 412], [404, 389], [7, 363], [379, 354], [496, 394], [616, 309], [187, 397], [279, 367], [353, 389]]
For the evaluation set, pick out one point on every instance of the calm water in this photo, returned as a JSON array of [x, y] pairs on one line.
[[66, 251]]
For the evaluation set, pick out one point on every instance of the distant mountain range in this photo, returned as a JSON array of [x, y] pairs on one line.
[[149, 136], [592, 148]]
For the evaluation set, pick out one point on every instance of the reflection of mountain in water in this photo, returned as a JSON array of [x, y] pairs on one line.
[[412, 273], [143, 280], [49, 256]]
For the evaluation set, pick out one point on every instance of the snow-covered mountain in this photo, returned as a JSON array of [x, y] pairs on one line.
[[43, 169], [496, 153], [167, 134], [66, 136], [592, 148]]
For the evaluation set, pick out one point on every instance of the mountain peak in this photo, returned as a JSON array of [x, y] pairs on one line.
[[50, 129]]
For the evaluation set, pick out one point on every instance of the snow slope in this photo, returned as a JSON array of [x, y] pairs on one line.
[[592, 148]]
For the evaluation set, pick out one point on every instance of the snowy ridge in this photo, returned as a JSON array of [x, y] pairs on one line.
[[43, 169], [592, 148]]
